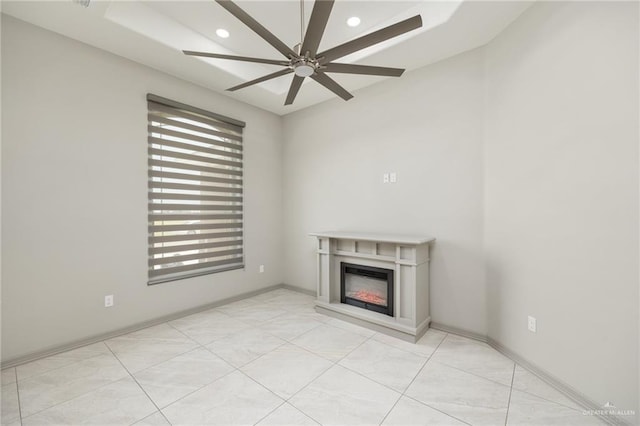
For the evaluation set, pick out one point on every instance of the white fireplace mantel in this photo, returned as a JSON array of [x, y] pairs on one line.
[[406, 255]]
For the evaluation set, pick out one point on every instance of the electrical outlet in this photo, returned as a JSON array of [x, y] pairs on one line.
[[108, 301], [393, 178], [385, 178], [261, 268], [531, 324]]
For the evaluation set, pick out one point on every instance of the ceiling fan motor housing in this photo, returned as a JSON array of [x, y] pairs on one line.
[[304, 67]]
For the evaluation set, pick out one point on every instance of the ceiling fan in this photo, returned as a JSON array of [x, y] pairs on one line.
[[304, 60]]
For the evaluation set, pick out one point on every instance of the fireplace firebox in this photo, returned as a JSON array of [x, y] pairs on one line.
[[367, 287]]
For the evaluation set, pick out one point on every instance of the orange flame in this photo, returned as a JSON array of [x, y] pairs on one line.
[[367, 296]]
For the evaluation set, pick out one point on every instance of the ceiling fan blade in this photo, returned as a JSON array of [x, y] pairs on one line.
[[261, 79], [370, 39], [317, 24], [293, 90], [236, 58], [256, 27], [330, 84], [363, 69]]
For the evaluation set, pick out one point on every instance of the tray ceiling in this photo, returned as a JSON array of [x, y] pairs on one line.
[[154, 33]]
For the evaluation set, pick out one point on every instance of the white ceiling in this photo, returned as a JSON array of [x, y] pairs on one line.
[[154, 33]]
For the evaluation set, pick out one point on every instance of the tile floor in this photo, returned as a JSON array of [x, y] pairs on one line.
[[272, 360]]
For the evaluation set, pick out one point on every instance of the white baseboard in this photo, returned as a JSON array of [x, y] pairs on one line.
[[459, 331], [299, 289]]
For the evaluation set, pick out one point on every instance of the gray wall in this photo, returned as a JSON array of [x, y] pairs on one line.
[[533, 140], [561, 174], [74, 187], [426, 127]]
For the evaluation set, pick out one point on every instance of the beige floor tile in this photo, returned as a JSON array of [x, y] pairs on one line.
[[476, 358], [287, 415], [286, 369], [309, 311], [423, 347], [155, 419], [48, 389], [173, 379], [10, 407], [258, 314], [60, 360], [149, 347], [350, 327], [329, 342], [119, 403], [384, 364], [289, 326], [342, 397], [209, 326], [233, 400], [245, 346], [408, 412], [461, 395]]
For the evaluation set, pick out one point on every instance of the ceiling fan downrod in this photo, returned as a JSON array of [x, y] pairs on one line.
[[301, 26], [303, 66], [298, 47]]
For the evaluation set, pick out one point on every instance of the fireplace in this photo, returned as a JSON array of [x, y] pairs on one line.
[[406, 259], [367, 287]]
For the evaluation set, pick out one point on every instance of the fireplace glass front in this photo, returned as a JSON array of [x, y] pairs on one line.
[[367, 287]]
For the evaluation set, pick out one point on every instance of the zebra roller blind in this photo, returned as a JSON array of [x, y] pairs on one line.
[[195, 191]]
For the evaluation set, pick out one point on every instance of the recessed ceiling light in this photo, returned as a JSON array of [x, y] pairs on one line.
[[221, 32], [354, 21]]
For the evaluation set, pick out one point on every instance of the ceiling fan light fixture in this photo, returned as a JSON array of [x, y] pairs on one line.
[[304, 67], [303, 70], [222, 33], [354, 21]]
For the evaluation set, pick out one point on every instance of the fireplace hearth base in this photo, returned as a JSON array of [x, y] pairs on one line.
[[406, 256]]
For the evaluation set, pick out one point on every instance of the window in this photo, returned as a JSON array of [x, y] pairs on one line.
[[195, 191]]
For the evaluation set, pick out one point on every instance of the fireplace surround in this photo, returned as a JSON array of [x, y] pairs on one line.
[[406, 256]]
